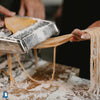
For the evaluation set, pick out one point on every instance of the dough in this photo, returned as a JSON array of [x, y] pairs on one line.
[[15, 23]]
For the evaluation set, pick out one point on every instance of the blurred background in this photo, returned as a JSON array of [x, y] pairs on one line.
[[51, 9]]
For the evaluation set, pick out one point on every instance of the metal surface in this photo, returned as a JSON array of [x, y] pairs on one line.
[[26, 39], [10, 45]]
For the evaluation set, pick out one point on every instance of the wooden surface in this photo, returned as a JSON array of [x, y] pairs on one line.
[[27, 89]]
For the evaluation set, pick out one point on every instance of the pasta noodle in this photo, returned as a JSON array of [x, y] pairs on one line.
[[54, 61], [25, 70], [52, 42], [94, 60], [12, 80]]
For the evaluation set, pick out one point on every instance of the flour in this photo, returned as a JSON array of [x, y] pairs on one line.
[[1, 85], [68, 89]]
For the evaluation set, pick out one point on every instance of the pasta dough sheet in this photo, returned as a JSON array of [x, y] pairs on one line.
[[54, 42], [16, 23]]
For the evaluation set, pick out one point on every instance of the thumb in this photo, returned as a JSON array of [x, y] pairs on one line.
[[6, 12], [85, 36]]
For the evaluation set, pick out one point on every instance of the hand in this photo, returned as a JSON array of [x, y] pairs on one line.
[[6, 12], [79, 35], [32, 8]]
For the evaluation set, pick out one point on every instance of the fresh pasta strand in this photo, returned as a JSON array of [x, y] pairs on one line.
[[12, 80], [30, 76], [94, 60], [25, 70], [54, 64]]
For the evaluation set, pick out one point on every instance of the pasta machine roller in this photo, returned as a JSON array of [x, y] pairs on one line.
[[24, 40]]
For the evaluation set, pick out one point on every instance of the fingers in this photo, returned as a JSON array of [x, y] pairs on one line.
[[39, 13], [30, 12], [76, 35], [42, 16], [75, 39], [79, 35], [36, 11], [77, 32], [21, 10], [32, 8], [39, 10], [85, 36], [6, 12]]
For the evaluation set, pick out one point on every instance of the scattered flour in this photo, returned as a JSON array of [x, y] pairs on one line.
[[56, 90]]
